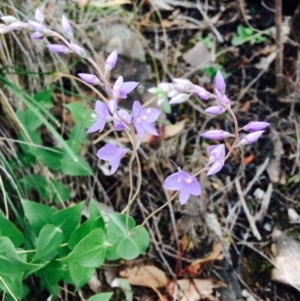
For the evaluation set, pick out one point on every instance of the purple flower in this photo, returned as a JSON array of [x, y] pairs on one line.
[[111, 60], [220, 83], [59, 49], [79, 50], [143, 119], [216, 135], [66, 26], [37, 36], [200, 92], [112, 154], [255, 126], [112, 105], [214, 110], [179, 98], [250, 138], [39, 16], [37, 26], [183, 182], [118, 123], [121, 88], [89, 78], [216, 155], [102, 115]]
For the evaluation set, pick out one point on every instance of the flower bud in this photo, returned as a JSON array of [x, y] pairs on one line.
[[216, 152], [166, 87], [39, 16], [59, 49], [37, 26], [216, 135], [172, 93], [79, 50], [37, 36], [255, 126], [250, 138], [220, 83], [214, 110], [89, 78], [17, 26], [201, 92], [182, 85], [216, 167], [66, 26], [9, 19], [180, 98], [111, 60]]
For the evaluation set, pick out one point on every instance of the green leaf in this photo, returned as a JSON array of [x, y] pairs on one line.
[[77, 135], [68, 219], [101, 297], [10, 263], [79, 168], [116, 228], [80, 275], [50, 275], [132, 246], [44, 98], [167, 108], [35, 138], [53, 160], [94, 211], [49, 240], [90, 251], [7, 228], [37, 214], [112, 253], [61, 192], [80, 114], [82, 231], [31, 124], [13, 285]]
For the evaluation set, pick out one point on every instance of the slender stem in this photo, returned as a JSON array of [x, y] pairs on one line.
[[8, 289], [236, 132]]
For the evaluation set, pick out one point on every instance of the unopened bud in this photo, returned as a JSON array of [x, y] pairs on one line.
[[9, 19], [66, 26], [250, 138], [214, 110], [216, 135], [180, 98], [111, 60], [59, 49], [255, 126], [39, 16], [89, 78]]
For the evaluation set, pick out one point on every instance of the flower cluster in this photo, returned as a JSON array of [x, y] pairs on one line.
[[141, 120], [183, 181]]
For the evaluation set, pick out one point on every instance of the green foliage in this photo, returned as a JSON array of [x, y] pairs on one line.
[[212, 70], [101, 297], [245, 34]]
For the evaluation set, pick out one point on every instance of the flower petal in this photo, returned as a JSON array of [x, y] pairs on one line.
[[136, 109], [148, 127], [127, 87], [194, 187], [184, 195], [174, 182], [151, 114], [107, 152], [216, 167], [97, 126]]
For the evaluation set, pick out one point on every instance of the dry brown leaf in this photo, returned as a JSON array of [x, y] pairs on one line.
[[216, 254], [194, 290], [148, 276], [169, 131]]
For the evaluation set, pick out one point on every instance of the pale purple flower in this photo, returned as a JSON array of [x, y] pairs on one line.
[[66, 26], [179, 98], [143, 119], [37, 36], [225, 100], [214, 110], [250, 138], [172, 93], [118, 123], [255, 126], [182, 85], [9, 19], [216, 134], [112, 154], [166, 87], [220, 82], [79, 50], [121, 88], [183, 182], [111, 60], [216, 155], [59, 48], [89, 78], [200, 92], [112, 105], [102, 115], [39, 16], [37, 26]]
